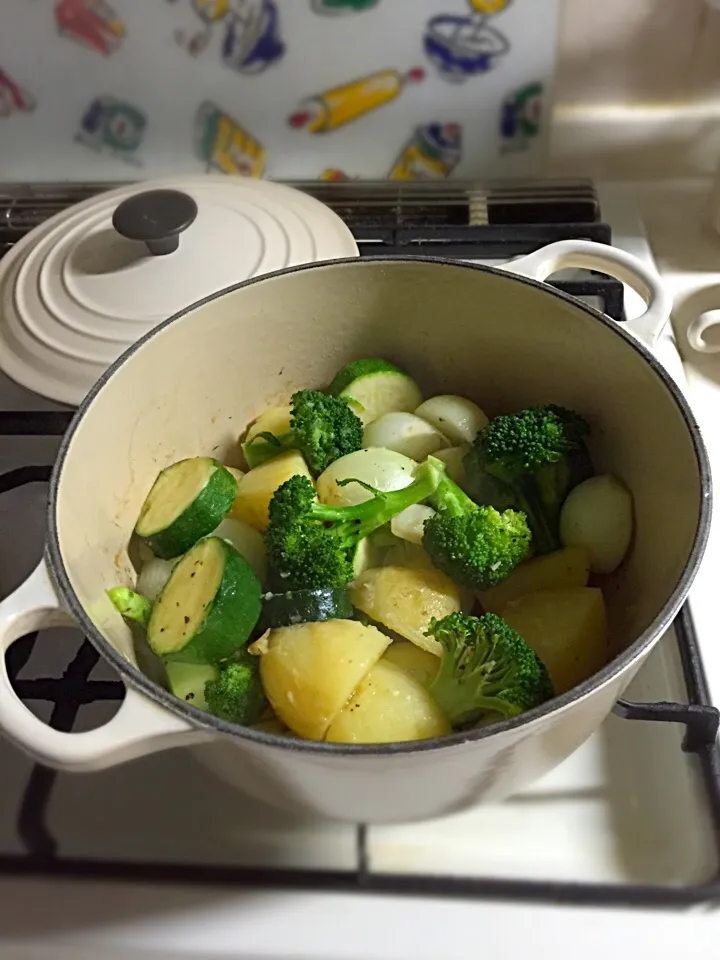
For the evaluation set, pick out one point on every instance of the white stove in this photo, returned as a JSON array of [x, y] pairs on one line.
[[631, 819]]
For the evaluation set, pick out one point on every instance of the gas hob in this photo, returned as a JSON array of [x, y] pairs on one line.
[[631, 818]]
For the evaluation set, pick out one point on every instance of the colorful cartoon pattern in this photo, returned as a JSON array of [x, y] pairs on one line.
[[405, 90]]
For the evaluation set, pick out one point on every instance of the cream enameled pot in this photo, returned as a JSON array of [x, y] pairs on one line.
[[191, 385]]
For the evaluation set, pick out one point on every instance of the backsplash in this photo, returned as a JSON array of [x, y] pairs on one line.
[[333, 89]]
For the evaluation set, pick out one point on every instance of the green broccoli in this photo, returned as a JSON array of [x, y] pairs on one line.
[[131, 605], [536, 456], [323, 428], [312, 545], [476, 546], [486, 668], [237, 694]]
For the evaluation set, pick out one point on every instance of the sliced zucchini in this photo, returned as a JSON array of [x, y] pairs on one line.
[[132, 606], [187, 681], [305, 606], [374, 387], [209, 606], [186, 502]]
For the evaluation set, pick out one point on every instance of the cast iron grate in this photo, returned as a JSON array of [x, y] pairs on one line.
[[463, 220], [74, 689]]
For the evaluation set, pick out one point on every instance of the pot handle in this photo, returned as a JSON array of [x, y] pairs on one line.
[[587, 254], [139, 727]]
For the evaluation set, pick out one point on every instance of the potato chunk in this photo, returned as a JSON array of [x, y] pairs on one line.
[[566, 628], [309, 671], [405, 599], [389, 706], [552, 571], [256, 488]]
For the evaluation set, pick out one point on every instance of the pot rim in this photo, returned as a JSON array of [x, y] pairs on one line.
[[202, 719]]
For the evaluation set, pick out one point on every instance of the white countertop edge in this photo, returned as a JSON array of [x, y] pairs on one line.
[[83, 920]]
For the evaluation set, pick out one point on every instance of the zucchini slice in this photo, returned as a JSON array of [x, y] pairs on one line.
[[187, 501], [187, 681], [208, 607], [305, 606], [373, 386]]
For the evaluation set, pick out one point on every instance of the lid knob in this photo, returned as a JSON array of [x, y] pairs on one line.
[[155, 217]]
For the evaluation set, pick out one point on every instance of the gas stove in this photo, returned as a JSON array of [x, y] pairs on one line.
[[632, 818]]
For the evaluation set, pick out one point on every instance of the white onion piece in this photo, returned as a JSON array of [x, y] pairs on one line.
[[247, 541], [457, 417], [153, 577], [382, 469], [404, 433], [598, 515], [409, 524], [453, 458]]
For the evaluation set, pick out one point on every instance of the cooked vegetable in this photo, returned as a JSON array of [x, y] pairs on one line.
[[566, 628], [237, 694], [247, 541], [405, 554], [388, 706], [380, 469], [275, 420], [323, 428], [457, 417], [486, 667], [208, 607], [404, 433], [540, 455], [256, 488], [598, 515], [477, 546], [310, 671], [409, 524], [454, 460], [132, 606], [569, 567], [405, 600], [187, 681], [305, 606], [153, 577], [419, 664], [186, 502], [313, 544], [375, 387]]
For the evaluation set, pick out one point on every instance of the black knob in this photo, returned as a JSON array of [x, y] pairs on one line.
[[155, 217]]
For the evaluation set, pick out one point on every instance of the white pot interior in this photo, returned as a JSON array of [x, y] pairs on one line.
[[195, 384]]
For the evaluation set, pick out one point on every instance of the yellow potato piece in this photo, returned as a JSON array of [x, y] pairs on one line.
[[275, 420], [256, 488], [553, 571], [566, 628], [405, 600], [309, 671], [419, 664], [388, 706]]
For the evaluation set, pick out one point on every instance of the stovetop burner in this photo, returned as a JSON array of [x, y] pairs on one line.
[[461, 221]]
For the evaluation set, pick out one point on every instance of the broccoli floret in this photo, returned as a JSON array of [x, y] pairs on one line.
[[476, 546], [133, 606], [237, 695], [539, 454], [486, 668], [312, 545], [322, 427]]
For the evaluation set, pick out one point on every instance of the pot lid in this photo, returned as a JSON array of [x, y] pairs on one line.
[[79, 290]]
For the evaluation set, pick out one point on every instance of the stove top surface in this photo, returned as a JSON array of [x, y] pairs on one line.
[[630, 818]]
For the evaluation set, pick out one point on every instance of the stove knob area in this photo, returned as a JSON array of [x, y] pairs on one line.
[[156, 218]]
